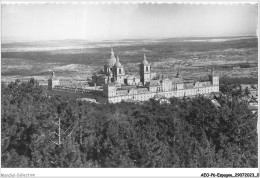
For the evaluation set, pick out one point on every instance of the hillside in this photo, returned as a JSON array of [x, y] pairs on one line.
[[187, 133]]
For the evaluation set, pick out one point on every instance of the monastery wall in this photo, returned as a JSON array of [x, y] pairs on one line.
[[167, 94]]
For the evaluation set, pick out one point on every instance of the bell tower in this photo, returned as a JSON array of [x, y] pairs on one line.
[[52, 82], [145, 71], [119, 72], [213, 77]]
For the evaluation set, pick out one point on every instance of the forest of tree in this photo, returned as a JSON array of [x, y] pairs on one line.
[[225, 80], [41, 131], [232, 86]]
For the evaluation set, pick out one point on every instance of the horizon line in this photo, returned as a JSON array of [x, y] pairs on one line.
[[22, 39]]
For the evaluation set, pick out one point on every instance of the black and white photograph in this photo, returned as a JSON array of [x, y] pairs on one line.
[[129, 85]]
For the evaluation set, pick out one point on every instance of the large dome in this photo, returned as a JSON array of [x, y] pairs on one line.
[[112, 60]]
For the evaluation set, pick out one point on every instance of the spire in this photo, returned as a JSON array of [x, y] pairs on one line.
[[112, 52], [117, 58], [52, 75], [117, 64], [145, 62], [212, 71], [178, 75]]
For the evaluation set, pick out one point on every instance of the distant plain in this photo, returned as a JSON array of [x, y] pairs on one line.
[[78, 59]]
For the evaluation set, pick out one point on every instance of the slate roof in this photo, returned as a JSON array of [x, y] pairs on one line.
[[154, 83], [142, 90], [177, 80]]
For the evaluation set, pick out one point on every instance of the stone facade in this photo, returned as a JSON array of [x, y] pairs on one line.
[[69, 86], [148, 93], [119, 86], [115, 90]]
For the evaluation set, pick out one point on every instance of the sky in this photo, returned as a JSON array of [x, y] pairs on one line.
[[126, 21]]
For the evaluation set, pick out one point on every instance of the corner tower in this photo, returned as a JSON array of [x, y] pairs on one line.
[[52, 82], [145, 71], [213, 77]]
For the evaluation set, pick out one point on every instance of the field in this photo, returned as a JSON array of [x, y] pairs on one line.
[[78, 59]]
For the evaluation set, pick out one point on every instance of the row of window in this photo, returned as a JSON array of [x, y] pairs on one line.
[[143, 97]]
